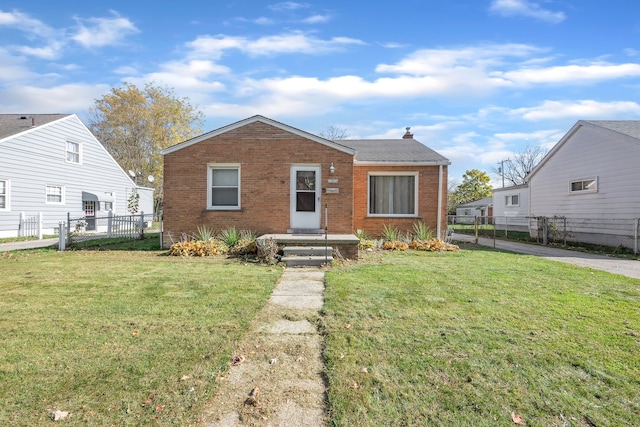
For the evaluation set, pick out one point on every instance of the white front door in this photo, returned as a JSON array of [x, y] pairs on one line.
[[305, 197]]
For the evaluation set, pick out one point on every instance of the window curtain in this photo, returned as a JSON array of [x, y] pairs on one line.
[[392, 195]]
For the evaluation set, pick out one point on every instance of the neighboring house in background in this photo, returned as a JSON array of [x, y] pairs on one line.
[[592, 173], [262, 175], [511, 208], [481, 208], [52, 165]]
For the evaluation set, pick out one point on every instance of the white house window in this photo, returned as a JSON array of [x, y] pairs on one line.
[[224, 186], [55, 194], [4, 195], [108, 206], [584, 186], [513, 200], [73, 152], [393, 194]]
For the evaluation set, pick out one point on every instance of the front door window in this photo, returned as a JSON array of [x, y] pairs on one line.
[[305, 191]]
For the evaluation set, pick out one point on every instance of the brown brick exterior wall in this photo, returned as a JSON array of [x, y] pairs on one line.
[[265, 154], [427, 199]]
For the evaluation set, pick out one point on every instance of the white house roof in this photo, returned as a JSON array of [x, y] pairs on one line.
[[261, 119], [13, 124], [477, 203], [393, 151], [629, 129]]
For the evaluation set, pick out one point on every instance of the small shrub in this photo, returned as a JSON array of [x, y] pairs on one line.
[[198, 248], [433, 245], [390, 233], [421, 231], [204, 233], [395, 245], [244, 247], [267, 251], [230, 236]]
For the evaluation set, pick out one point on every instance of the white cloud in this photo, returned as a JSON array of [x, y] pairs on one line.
[[583, 109], [214, 46], [570, 73], [287, 5], [34, 29], [99, 32], [317, 19], [527, 9], [69, 98]]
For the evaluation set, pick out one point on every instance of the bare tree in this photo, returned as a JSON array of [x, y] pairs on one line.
[[514, 171], [333, 133]]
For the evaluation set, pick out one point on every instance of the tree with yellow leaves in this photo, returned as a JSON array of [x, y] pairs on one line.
[[135, 125]]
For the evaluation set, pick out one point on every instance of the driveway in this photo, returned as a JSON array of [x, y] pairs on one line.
[[28, 244], [625, 267]]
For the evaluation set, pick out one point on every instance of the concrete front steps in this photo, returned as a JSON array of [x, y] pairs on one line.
[[297, 252], [307, 256]]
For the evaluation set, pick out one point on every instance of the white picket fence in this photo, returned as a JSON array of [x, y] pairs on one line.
[[30, 226]]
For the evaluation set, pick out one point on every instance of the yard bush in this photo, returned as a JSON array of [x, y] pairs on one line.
[[198, 248]]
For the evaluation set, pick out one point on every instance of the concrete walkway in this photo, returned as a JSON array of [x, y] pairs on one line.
[[277, 380], [625, 267], [28, 244]]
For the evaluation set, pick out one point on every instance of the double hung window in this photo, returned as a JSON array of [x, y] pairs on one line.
[[224, 186]]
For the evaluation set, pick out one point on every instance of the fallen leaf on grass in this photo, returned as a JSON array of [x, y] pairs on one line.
[[146, 402], [364, 370], [355, 386], [347, 326], [236, 360], [517, 419], [184, 377], [134, 333], [159, 408], [58, 415]]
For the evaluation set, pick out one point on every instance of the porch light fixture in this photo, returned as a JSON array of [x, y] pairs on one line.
[[332, 169]]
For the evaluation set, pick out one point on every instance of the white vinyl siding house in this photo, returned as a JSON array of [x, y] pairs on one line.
[[52, 164], [592, 173], [511, 208]]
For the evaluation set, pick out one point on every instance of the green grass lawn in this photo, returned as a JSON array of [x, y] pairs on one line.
[[468, 338], [119, 337]]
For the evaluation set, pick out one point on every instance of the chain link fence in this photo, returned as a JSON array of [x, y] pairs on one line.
[[605, 232], [84, 228]]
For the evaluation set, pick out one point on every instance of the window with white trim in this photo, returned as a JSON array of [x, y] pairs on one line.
[[513, 200], [393, 194], [589, 185], [55, 194], [108, 206], [73, 152], [224, 186], [4, 195]]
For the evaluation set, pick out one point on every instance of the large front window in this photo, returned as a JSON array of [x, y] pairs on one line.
[[392, 195], [224, 187]]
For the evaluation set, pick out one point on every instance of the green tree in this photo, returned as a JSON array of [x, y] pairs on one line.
[[475, 185], [135, 124]]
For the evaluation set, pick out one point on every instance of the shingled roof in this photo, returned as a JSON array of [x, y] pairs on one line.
[[393, 151], [626, 127], [13, 124]]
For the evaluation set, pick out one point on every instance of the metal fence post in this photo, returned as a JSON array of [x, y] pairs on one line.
[[62, 236], [635, 237], [39, 225], [475, 224], [141, 225], [109, 224]]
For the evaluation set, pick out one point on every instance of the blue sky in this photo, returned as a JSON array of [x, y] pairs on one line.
[[477, 80]]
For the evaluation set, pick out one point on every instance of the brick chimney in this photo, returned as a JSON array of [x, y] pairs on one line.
[[407, 135]]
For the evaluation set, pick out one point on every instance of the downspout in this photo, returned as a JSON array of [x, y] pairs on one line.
[[439, 226]]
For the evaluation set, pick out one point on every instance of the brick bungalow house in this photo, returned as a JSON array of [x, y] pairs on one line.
[[262, 175]]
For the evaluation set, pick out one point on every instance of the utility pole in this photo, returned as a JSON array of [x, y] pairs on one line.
[[501, 170]]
